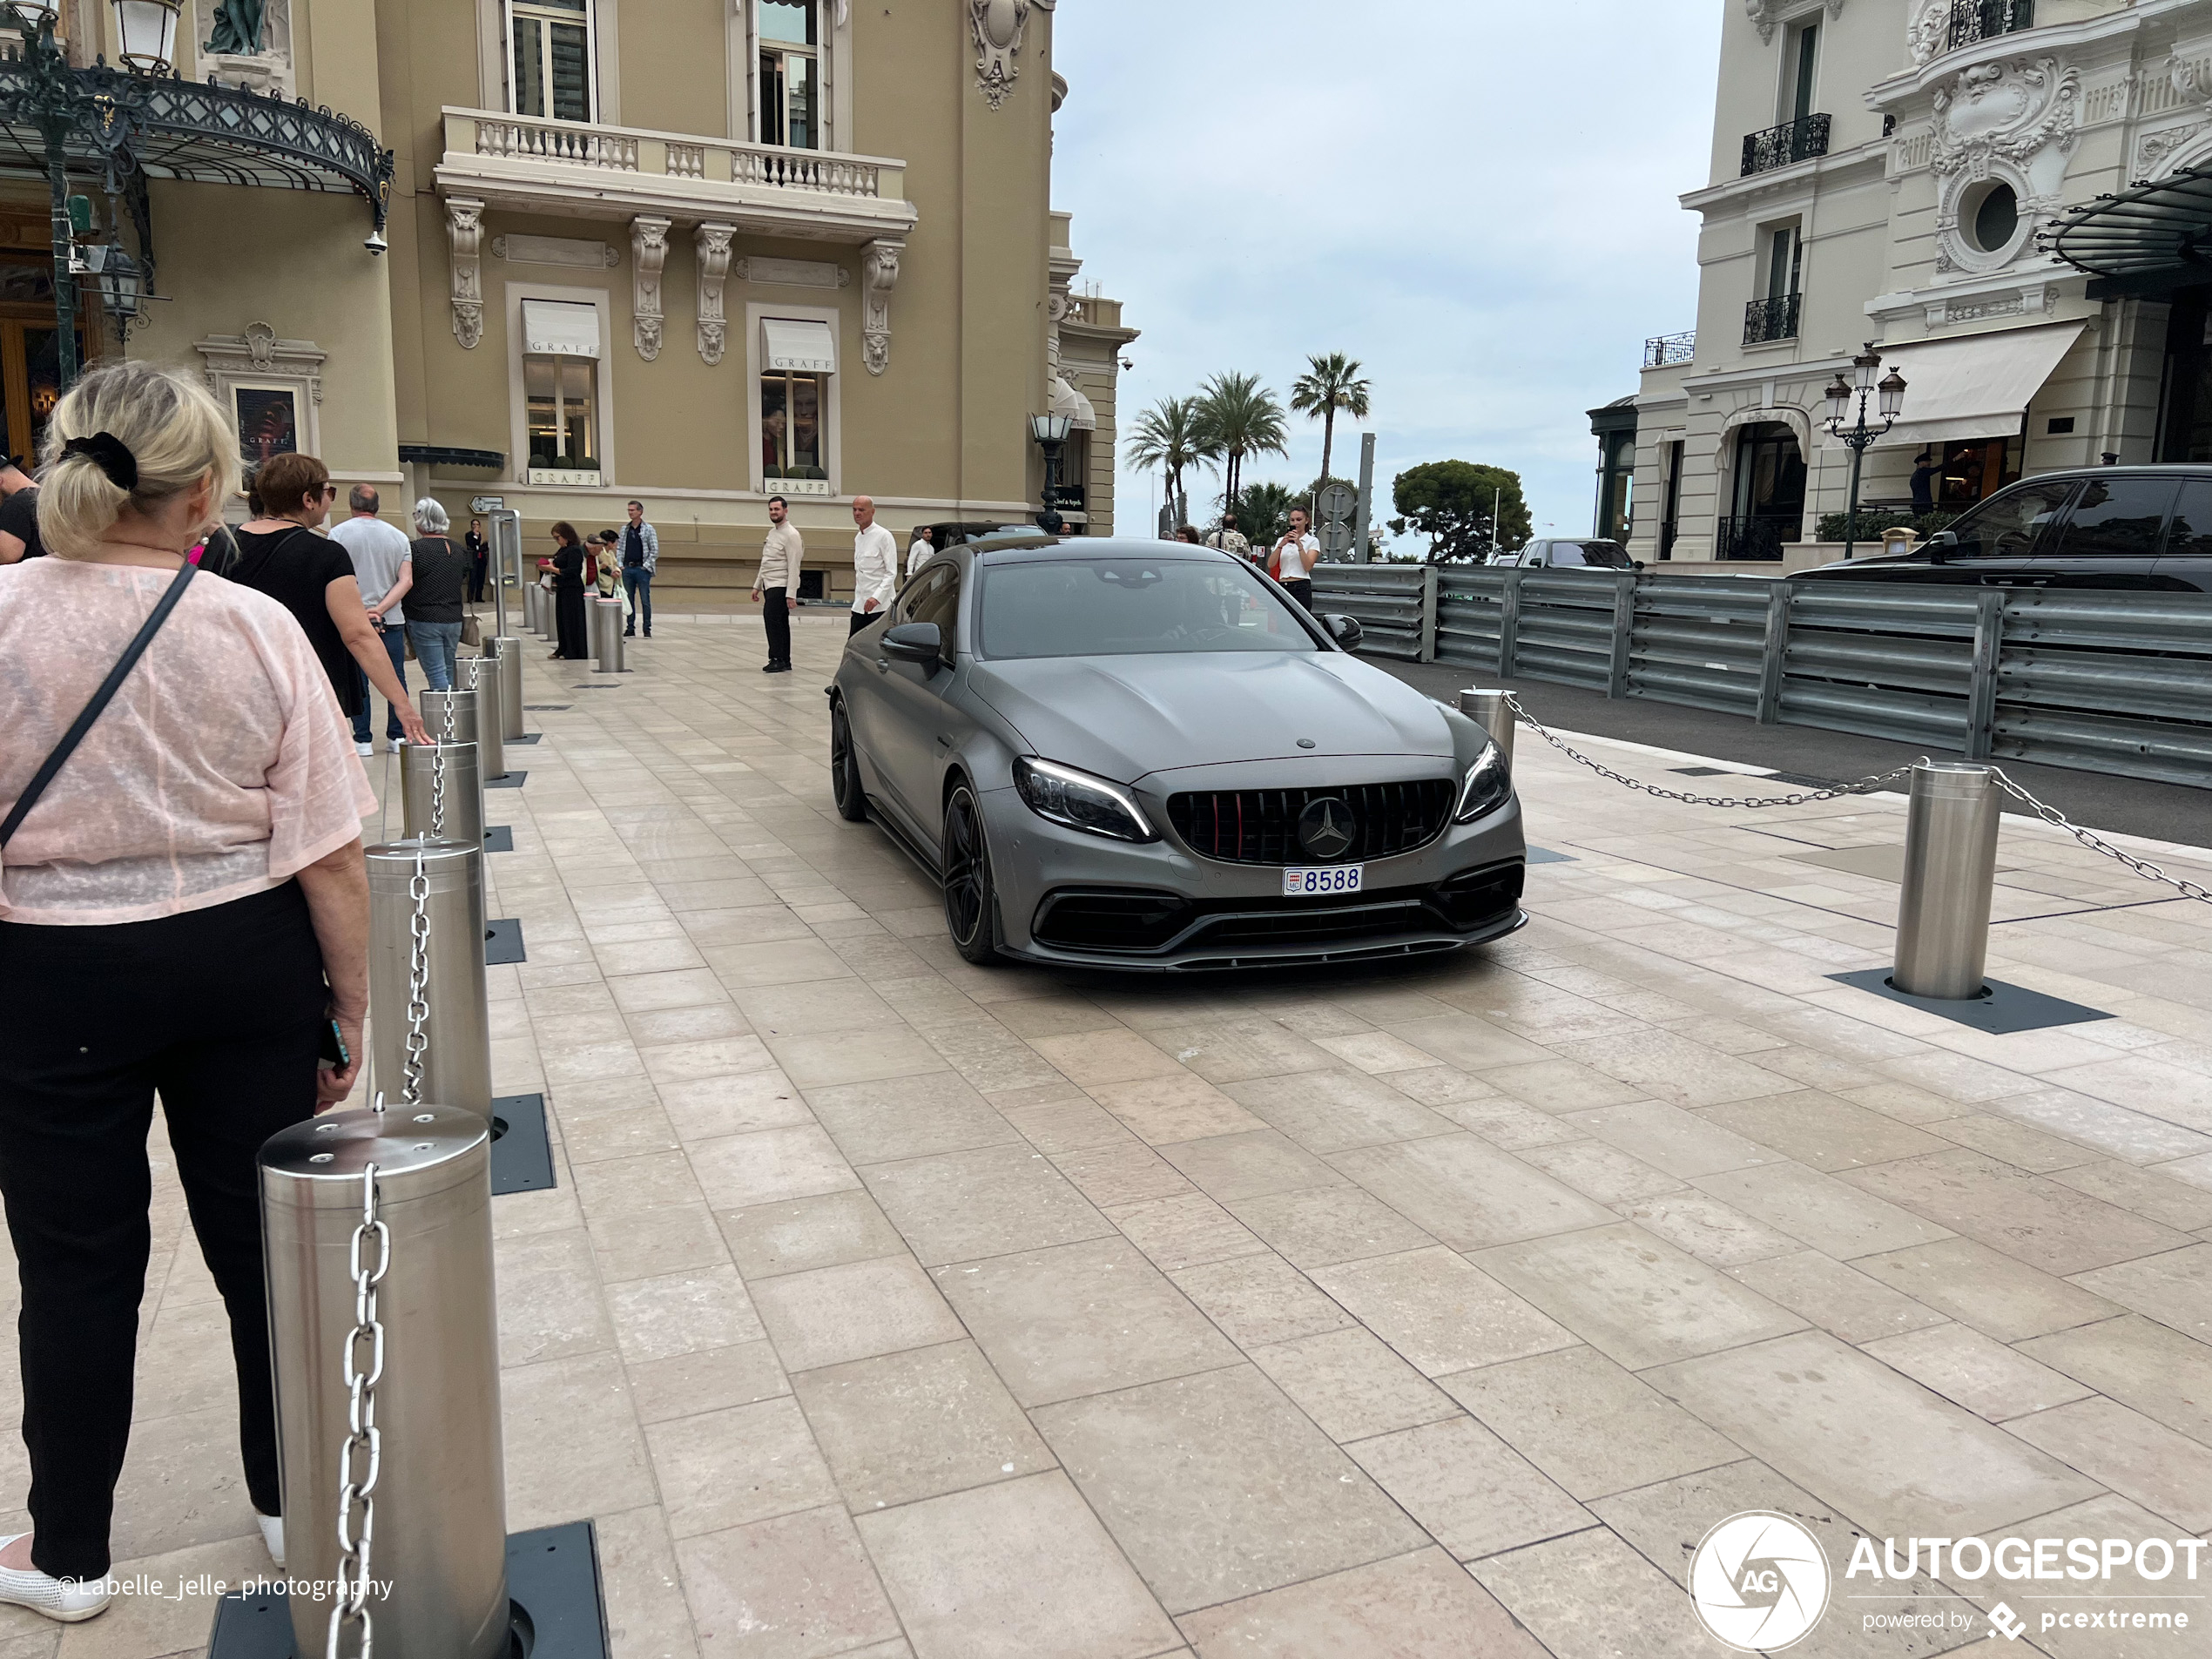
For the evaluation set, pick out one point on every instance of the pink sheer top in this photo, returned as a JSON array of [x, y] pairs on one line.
[[221, 769]]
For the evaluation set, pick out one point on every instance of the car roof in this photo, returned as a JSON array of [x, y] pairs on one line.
[[1037, 547]]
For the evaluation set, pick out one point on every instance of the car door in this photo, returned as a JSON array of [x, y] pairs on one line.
[[870, 707], [2185, 563], [2109, 538], [923, 726], [1998, 540]]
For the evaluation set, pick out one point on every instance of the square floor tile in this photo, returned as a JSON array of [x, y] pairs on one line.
[[746, 1463], [797, 1587], [1321, 1228], [1979, 1286], [1421, 1606], [799, 1233], [1440, 1311], [828, 1315], [960, 1206], [1577, 1594], [1468, 1489], [770, 1165], [1353, 1384], [1466, 1192], [1248, 1166], [1257, 1299]]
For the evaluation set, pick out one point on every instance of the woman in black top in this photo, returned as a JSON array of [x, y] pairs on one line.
[[567, 565], [312, 577], [433, 603]]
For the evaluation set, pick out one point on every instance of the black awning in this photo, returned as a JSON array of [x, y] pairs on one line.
[[167, 128], [2158, 228], [442, 455]]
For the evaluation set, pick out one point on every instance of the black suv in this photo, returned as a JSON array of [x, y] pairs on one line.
[[2145, 527]]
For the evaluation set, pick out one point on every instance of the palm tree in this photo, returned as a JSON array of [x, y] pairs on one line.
[[1333, 385], [1167, 437], [1238, 417]]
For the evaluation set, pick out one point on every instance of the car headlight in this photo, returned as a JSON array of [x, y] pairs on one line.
[[1081, 801], [1489, 781]]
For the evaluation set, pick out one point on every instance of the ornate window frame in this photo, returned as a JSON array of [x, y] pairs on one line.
[[257, 361], [494, 58], [518, 412], [833, 411], [836, 58]]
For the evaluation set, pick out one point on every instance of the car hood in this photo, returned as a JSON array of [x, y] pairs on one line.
[[1124, 718]]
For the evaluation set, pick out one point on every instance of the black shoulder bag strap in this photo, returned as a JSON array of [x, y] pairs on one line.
[[101, 698]]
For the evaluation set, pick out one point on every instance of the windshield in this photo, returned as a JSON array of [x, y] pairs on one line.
[[1129, 607], [1609, 555]]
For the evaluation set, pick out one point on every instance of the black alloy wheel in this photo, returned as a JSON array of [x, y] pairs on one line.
[[845, 771], [971, 899]]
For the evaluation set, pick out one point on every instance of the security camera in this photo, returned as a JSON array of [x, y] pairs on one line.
[[376, 244]]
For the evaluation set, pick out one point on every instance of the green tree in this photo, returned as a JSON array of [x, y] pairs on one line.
[[1166, 438], [1333, 384], [1466, 511], [1238, 417], [1263, 512]]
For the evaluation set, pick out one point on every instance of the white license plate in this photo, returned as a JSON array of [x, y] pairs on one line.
[[1312, 884]]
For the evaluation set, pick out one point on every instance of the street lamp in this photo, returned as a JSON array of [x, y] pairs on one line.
[[1051, 432], [121, 285], [148, 30], [1889, 403]]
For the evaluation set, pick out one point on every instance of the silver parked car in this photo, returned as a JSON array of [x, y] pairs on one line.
[[1146, 755]]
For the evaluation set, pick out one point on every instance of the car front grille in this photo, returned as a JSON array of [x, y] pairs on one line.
[[1136, 922], [1260, 826]]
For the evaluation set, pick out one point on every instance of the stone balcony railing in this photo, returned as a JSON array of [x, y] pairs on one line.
[[566, 167]]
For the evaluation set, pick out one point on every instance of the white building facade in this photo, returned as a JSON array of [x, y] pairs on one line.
[[1898, 171]]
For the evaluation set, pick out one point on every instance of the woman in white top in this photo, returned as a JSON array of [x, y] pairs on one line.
[[184, 911]]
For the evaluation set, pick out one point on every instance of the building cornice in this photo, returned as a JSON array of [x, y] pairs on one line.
[[1807, 175], [1886, 96]]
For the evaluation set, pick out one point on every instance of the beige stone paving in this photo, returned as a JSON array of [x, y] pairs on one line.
[[891, 1307]]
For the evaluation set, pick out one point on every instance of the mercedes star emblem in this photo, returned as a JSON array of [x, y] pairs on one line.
[[1325, 828]]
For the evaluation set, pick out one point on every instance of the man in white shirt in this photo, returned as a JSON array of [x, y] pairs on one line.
[[384, 568], [1294, 558], [875, 565], [919, 551], [781, 554]]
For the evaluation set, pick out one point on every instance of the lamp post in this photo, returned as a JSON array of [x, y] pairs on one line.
[[1050, 432], [1889, 402]]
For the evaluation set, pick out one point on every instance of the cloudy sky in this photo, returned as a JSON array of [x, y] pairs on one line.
[[1477, 199]]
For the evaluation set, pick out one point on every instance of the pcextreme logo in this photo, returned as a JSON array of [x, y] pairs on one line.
[[1759, 1581]]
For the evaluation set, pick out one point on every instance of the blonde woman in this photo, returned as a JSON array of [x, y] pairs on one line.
[[184, 910]]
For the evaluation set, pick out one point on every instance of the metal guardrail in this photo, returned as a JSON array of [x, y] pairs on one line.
[[2097, 681]]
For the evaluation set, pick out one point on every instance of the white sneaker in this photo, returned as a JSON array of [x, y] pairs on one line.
[[272, 1535], [364, 750], [69, 1600]]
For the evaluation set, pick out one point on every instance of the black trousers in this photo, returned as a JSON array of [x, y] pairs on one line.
[[219, 1011], [861, 619], [775, 615], [571, 637], [1300, 590]]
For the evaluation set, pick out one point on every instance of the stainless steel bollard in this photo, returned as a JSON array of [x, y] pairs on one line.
[[508, 652], [606, 635], [533, 609], [1496, 715], [1950, 870], [481, 676], [457, 1059], [464, 791], [440, 1536]]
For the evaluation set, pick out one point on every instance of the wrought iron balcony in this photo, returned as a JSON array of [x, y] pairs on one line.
[[1799, 140], [1974, 20], [1765, 320], [1667, 350], [1757, 538]]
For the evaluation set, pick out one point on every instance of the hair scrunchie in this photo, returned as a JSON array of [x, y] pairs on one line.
[[110, 454]]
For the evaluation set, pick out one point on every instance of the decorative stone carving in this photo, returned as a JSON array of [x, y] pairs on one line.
[[1928, 35], [465, 235], [555, 250], [260, 358], [2013, 121], [792, 273], [1769, 14], [2155, 154], [648, 253], [246, 42], [997, 26], [879, 274], [712, 242]]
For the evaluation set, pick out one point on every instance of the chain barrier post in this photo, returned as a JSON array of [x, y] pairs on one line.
[[481, 675], [377, 1229], [429, 1021], [1950, 878], [451, 716], [507, 654], [442, 790], [1493, 710], [606, 635]]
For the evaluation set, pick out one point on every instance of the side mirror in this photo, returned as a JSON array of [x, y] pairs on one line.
[[915, 642], [1940, 545], [1346, 631], [1637, 564]]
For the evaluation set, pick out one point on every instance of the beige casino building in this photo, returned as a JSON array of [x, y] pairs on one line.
[[693, 253], [1927, 175]]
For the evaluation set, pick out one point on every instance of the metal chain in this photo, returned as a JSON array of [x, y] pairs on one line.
[[438, 790], [418, 974], [2096, 843], [1864, 785], [357, 1488]]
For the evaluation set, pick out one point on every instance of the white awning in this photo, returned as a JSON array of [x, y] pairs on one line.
[[785, 342], [1066, 400], [554, 329], [1979, 386]]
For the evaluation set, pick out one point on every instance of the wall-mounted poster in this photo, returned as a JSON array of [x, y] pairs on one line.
[[268, 422]]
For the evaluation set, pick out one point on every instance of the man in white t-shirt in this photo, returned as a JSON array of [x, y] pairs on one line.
[[1294, 558], [384, 568], [875, 564]]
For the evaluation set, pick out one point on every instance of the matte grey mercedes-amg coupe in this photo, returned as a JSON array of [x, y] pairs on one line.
[[1145, 755]]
